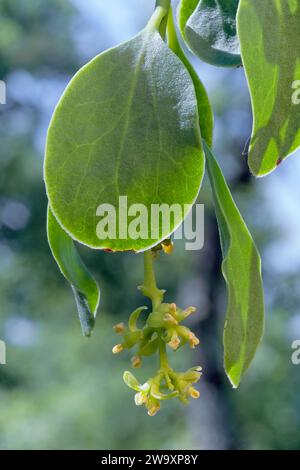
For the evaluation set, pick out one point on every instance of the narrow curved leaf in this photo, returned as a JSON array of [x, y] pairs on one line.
[[85, 288], [242, 272], [126, 125], [210, 31], [206, 119], [270, 46]]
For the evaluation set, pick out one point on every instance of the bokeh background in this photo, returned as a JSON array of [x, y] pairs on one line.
[[61, 391]]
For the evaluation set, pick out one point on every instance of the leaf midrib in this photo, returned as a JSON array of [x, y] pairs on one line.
[[127, 113]]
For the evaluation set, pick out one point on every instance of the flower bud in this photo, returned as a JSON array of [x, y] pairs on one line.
[[189, 311], [136, 362], [168, 248], [117, 349], [175, 341], [172, 309], [170, 319], [154, 409], [194, 393], [119, 328], [193, 340]]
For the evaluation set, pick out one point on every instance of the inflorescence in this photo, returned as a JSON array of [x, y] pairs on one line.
[[162, 329]]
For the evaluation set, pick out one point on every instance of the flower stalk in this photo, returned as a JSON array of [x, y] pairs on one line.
[[161, 330]]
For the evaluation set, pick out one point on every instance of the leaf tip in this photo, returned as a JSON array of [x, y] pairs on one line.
[[235, 381], [86, 317]]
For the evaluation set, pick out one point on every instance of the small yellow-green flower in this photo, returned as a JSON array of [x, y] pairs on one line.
[[152, 392]]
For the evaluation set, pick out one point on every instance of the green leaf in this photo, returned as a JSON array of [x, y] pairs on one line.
[[206, 119], [185, 10], [242, 272], [126, 125], [85, 288], [270, 47], [210, 31]]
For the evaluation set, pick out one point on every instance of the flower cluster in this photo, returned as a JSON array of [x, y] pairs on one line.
[[152, 392], [161, 328]]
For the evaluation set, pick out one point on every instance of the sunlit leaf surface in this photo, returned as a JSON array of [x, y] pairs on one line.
[[269, 33]]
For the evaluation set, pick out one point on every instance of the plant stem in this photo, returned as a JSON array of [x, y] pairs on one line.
[[163, 3], [163, 358], [173, 41], [158, 20], [149, 287]]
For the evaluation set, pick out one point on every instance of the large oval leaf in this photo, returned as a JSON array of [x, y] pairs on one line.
[[84, 286], [242, 272], [270, 45], [126, 125], [210, 31]]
